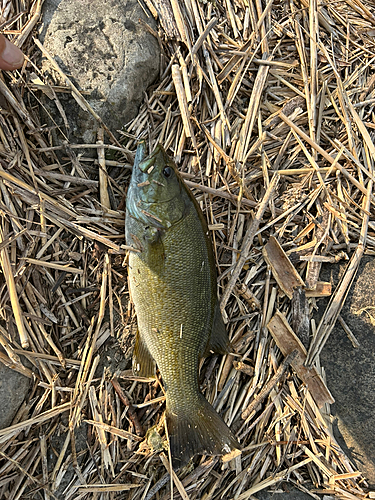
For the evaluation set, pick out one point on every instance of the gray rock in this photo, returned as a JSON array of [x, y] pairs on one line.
[[351, 371], [49, 8], [57, 443], [13, 391], [285, 491], [106, 51]]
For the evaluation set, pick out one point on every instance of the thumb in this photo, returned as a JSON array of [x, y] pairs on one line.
[[11, 56]]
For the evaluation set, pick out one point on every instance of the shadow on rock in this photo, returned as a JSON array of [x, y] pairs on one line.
[[351, 371]]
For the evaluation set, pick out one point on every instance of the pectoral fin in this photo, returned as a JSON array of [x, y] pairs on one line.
[[143, 362], [219, 341]]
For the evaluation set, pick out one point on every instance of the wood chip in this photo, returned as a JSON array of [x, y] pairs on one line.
[[283, 270], [287, 341]]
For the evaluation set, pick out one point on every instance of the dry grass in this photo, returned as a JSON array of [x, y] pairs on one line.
[[269, 112]]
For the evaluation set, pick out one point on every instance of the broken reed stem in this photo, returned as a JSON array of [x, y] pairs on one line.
[[348, 332], [132, 413], [28, 28], [251, 114], [52, 265], [11, 285], [103, 176], [248, 240], [113, 430], [182, 101], [43, 453], [18, 367], [221, 194], [269, 386]]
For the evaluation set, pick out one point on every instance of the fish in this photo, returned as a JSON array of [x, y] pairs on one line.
[[173, 285]]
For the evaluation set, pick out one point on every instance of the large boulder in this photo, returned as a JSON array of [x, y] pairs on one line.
[[107, 51]]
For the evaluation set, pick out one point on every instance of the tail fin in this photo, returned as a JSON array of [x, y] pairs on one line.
[[198, 430]]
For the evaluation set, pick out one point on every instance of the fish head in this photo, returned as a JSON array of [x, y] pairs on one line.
[[162, 181], [156, 195]]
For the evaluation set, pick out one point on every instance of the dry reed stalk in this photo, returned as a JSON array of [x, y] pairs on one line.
[[103, 488], [98, 423], [182, 100], [52, 265], [248, 240], [43, 451], [251, 115], [8, 273], [18, 367], [8, 432]]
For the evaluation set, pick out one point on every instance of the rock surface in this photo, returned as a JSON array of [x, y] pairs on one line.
[[108, 53], [285, 492], [351, 371], [49, 8], [13, 390]]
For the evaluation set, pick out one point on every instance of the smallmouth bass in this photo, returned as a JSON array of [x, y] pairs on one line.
[[173, 286]]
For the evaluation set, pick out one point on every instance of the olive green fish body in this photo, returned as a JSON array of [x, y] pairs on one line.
[[164, 284], [173, 287]]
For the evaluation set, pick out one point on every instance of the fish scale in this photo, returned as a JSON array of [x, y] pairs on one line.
[[173, 286], [163, 295]]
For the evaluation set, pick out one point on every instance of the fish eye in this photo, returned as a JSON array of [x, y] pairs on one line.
[[167, 171]]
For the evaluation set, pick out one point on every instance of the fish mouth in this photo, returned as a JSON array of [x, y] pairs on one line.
[[147, 200], [147, 205], [146, 164]]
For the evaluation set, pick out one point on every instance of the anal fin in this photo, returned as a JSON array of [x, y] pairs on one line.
[[143, 362], [219, 341]]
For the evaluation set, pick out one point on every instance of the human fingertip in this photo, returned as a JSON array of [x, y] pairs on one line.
[[11, 57]]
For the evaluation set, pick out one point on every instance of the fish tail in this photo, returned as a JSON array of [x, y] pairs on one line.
[[197, 430]]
